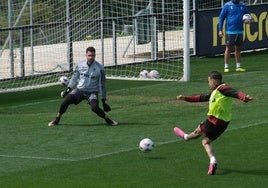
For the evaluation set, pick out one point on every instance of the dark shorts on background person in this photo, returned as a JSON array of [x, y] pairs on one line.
[[212, 131], [234, 39]]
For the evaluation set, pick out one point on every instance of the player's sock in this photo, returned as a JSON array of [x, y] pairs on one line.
[[213, 159], [238, 65], [226, 67]]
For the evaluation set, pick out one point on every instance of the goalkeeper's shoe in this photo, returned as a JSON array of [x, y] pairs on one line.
[[226, 69], [179, 132], [239, 69], [212, 168], [53, 123], [110, 121]]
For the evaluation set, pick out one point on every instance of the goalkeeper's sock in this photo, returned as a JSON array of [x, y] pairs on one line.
[[57, 120]]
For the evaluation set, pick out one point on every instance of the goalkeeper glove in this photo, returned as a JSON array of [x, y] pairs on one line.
[[106, 107], [64, 93]]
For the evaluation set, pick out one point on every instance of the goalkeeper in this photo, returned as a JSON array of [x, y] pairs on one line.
[[89, 78], [219, 114]]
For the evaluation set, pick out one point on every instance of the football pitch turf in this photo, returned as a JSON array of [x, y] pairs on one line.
[[84, 152]]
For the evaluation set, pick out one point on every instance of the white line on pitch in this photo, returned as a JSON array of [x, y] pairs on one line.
[[115, 152], [32, 157]]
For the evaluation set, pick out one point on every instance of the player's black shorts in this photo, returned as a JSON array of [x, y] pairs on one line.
[[212, 131], [234, 39]]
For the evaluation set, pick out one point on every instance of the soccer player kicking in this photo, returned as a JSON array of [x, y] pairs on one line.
[[219, 114], [89, 78]]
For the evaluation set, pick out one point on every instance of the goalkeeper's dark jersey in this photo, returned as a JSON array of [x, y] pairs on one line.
[[89, 78]]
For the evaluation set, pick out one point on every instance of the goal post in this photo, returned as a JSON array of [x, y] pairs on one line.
[[129, 36], [186, 44]]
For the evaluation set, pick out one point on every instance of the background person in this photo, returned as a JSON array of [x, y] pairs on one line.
[[233, 12]]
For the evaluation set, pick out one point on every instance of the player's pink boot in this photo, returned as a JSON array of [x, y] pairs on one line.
[[179, 132], [212, 168]]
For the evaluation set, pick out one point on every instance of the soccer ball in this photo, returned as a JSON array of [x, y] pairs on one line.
[[246, 18], [154, 74], [64, 80], [146, 145], [144, 74]]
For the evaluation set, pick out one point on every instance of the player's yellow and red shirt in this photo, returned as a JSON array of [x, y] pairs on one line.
[[220, 103]]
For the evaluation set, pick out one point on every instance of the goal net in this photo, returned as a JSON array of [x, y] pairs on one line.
[[43, 40]]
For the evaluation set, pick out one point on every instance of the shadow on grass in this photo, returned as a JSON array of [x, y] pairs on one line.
[[156, 158], [257, 172], [83, 124], [106, 125]]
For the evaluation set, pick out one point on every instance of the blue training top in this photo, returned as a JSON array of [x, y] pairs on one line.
[[233, 13]]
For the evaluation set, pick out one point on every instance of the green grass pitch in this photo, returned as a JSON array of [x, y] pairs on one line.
[[84, 152]]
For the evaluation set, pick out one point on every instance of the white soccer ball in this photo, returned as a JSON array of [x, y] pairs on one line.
[[246, 18], [154, 74], [64, 80], [146, 145], [144, 74]]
